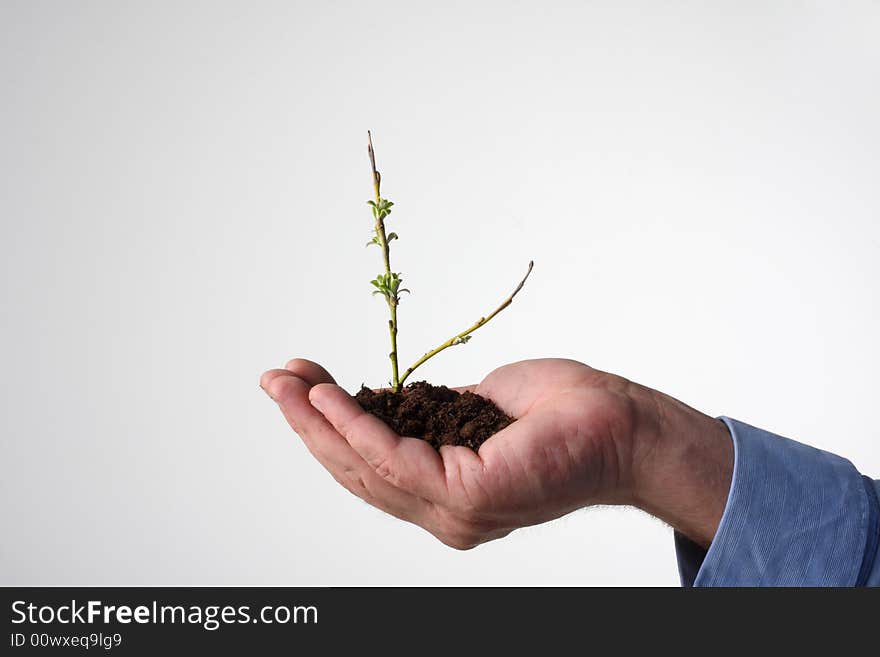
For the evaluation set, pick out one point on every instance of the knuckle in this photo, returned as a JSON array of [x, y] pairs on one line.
[[359, 484], [356, 486], [351, 480], [295, 364], [473, 526], [459, 541], [345, 483], [385, 470], [463, 533], [355, 481]]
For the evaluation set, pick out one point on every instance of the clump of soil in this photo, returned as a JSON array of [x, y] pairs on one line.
[[436, 414]]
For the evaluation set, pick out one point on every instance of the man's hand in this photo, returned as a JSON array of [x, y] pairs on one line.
[[581, 437]]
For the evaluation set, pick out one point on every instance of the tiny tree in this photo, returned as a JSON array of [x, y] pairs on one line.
[[387, 283]]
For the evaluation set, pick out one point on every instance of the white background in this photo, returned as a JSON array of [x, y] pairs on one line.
[[182, 198]]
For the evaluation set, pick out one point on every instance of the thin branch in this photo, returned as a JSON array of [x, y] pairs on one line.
[[462, 337]]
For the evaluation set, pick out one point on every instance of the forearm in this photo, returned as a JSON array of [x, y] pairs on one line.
[[682, 465], [768, 510]]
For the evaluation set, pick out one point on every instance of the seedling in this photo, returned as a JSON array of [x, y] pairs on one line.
[[387, 284]]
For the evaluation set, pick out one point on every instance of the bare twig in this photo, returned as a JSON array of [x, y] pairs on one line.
[[464, 336]]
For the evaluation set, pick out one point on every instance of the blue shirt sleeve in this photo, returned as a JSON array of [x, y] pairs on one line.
[[795, 516]]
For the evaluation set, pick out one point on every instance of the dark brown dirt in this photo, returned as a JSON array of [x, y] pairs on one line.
[[436, 414]]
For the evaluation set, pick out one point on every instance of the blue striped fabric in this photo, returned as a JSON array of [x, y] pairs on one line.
[[870, 564], [795, 516]]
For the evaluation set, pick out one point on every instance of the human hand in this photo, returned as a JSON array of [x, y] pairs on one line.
[[581, 437]]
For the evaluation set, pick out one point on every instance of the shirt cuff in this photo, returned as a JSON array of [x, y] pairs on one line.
[[795, 516]]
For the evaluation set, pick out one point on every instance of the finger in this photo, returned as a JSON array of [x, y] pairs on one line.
[[524, 467], [333, 451], [408, 463], [267, 378], [309, 371]]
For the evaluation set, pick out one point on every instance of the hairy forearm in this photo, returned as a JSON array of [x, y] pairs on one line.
[[682, 465]]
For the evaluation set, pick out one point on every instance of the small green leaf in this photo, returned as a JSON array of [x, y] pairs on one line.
[[381, 209], [391, 236]]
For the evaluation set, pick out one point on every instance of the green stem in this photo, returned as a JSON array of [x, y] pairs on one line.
[[458, 338], [386, 256]]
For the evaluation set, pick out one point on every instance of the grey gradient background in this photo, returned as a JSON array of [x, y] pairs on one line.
[[182, 190]]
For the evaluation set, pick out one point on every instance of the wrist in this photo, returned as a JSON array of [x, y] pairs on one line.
[[682, 465]]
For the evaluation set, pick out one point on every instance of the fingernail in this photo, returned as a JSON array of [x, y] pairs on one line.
[[316, 404]]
